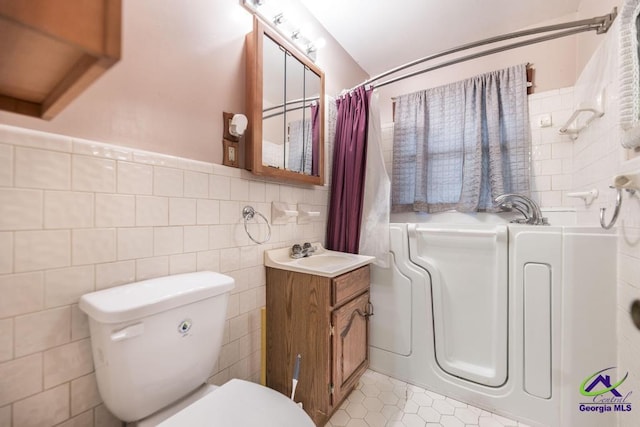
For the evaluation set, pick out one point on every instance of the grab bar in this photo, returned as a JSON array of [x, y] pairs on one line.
[[567, 130], [596, 110]]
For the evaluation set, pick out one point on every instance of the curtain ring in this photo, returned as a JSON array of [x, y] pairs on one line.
[[616, 211], [248, 213]]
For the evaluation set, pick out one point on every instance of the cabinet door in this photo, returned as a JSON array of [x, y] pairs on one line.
[[350, 345]]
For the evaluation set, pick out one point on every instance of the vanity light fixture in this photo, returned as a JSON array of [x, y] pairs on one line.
[[279, 19], [271, 13]]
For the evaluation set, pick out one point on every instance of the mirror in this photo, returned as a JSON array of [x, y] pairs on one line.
[[285, 92]]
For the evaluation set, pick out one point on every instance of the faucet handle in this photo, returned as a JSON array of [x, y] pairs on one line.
[[296, 249], [306, 247]]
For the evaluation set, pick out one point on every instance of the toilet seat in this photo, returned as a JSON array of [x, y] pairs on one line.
[[241, 403]]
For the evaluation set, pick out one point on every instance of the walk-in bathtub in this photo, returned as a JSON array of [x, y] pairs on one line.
[[509, 318]]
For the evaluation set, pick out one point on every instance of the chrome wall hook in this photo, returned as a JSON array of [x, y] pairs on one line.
[[616, 210]]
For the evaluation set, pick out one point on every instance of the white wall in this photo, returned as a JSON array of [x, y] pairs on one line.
[[551, 152]]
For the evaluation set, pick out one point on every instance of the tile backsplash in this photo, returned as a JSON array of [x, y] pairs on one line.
[[78, 216]]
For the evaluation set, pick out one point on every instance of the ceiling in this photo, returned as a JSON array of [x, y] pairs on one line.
[[382, 34]]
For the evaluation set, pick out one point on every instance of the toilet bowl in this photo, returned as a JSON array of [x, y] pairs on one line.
[[154, 345], [240, 403]]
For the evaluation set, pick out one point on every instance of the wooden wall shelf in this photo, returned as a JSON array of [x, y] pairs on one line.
[[50, 51]]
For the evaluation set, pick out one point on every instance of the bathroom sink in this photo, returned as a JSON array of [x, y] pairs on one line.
[[322, 262]]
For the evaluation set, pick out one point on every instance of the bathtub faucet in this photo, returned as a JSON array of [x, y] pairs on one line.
[[524, 205]]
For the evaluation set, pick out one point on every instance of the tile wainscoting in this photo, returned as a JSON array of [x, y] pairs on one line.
[[78, 216]]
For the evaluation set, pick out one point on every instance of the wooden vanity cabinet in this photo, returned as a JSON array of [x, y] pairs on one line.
[[325, 320]]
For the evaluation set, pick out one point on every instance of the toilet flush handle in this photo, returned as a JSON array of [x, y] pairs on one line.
[[130, 331]]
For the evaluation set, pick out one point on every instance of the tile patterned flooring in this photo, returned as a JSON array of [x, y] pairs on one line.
[[381, 401]]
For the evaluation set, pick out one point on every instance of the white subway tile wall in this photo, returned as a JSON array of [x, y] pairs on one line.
[[78, 216], [35, 168], [551, 152], [6, 165], [597, 158], [46, 408]]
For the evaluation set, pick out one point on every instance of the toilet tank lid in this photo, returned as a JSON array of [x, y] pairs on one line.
[[140, 299]]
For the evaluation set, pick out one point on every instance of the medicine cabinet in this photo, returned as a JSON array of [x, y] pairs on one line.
[[285, 105]]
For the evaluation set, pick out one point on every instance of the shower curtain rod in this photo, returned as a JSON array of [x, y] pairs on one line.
[[600, 24], [279, 113], [293, 101]]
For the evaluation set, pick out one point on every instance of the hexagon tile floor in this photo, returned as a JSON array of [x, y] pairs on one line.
[[382, 401]]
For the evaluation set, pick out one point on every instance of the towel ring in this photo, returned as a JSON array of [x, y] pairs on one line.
[[616, 210], [248, 213]]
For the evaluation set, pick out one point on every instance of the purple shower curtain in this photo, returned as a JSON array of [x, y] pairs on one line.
[[347, 179]]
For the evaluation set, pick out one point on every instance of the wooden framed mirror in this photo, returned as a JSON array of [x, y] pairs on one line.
[[285, 106]]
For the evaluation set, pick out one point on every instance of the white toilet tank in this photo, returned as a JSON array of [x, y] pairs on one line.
[[157, 340]]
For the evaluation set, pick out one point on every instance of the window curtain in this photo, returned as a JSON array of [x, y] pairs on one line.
[[457, 147], [347, 177], [300, 146], [304, 143]]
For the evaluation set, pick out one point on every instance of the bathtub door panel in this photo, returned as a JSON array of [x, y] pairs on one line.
[[468, 269], [391, 296], [537, 330]]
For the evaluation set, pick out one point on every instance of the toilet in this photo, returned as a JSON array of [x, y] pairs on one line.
[[154, 345]]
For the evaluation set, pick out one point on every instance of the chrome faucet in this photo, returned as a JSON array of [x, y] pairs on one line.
[[524, 205], [298, 251]]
